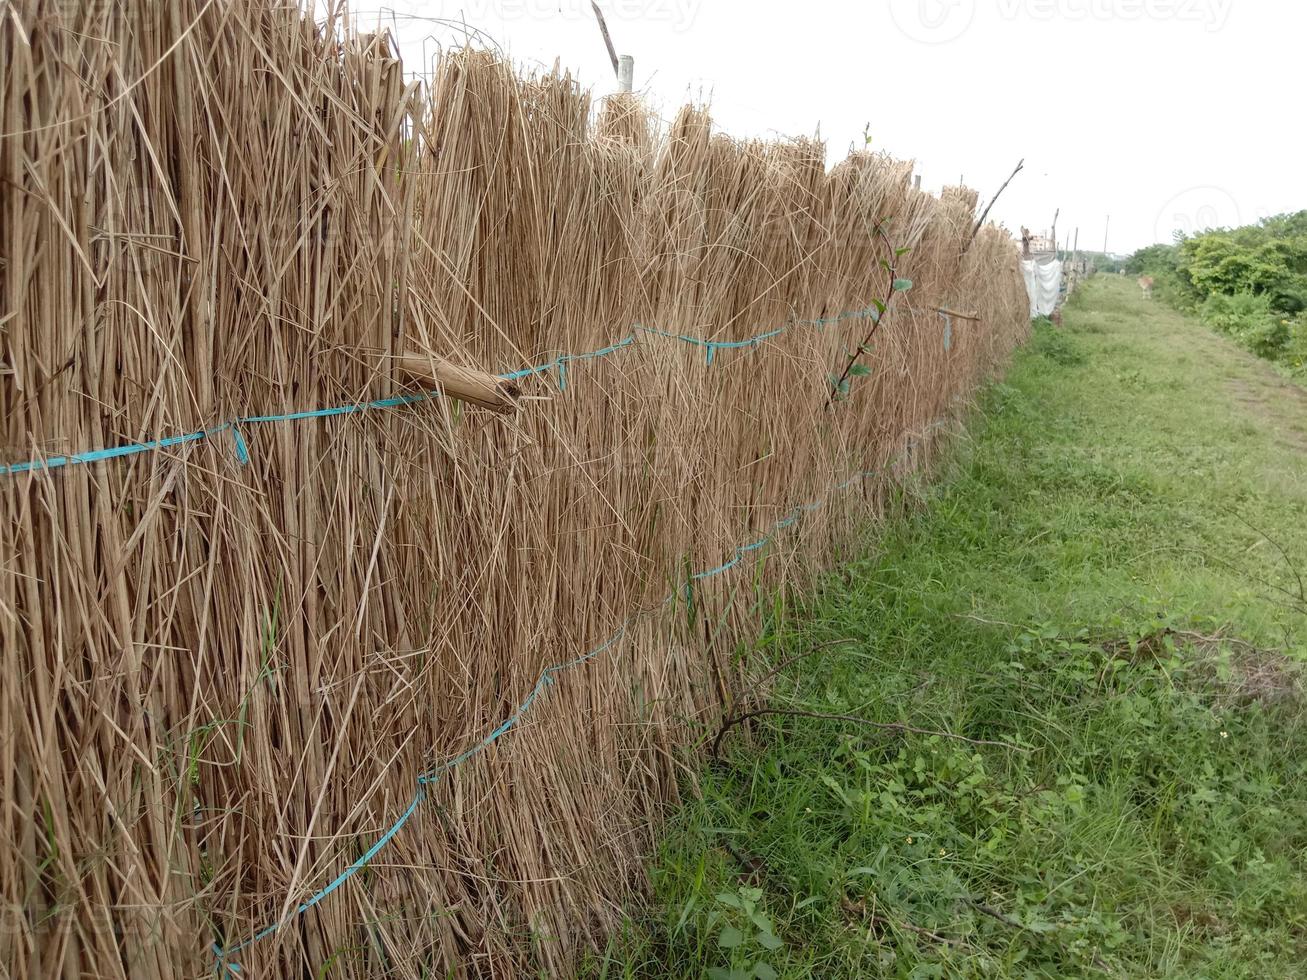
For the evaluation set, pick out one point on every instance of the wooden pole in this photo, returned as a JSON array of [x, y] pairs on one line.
[[961, 316], [980, 223], [608, 41]]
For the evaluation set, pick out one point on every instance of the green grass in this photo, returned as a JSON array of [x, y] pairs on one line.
[[1049, 590]]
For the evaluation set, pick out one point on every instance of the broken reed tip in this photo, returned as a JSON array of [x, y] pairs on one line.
[[470, 385]]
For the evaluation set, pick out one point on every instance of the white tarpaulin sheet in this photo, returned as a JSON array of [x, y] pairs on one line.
[[1043, 284]]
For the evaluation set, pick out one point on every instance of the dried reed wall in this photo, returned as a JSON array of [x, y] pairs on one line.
[[228, 661]]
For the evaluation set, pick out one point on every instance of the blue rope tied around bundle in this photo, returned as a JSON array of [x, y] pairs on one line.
[[557, 364], [547, 678]]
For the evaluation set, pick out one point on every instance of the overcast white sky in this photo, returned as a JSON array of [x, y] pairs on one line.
[[1165, 114]]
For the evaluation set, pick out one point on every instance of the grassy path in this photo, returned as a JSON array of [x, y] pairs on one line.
[[1106, 574]]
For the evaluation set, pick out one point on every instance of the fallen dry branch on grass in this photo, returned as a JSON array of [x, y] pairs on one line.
[[859, 909], [755, 686], [232, 654], [1099, 963]]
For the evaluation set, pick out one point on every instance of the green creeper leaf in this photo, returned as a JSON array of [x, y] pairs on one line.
[[900, 252], [730, 938], [726, 898], [859, 370], [902, 285], [880, 307], [764, 971]]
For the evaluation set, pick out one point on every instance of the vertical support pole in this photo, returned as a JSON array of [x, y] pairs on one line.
[[608, 40], [625, 73]]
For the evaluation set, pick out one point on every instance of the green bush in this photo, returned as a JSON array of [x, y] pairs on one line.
[[1268, 339], [1295, 354], [1237, 314], [1250, 283], [1250, 320]]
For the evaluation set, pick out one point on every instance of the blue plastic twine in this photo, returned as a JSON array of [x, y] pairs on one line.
[[545, 680], [224, 953], [558, 364]]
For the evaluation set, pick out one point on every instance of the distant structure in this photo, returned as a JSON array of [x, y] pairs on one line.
[[1036, 246], [1045, 282]]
